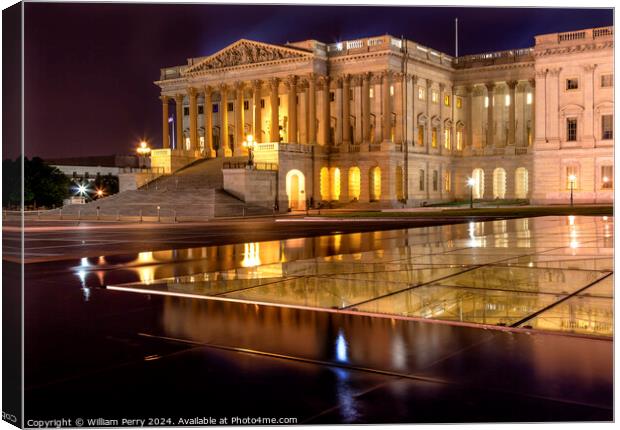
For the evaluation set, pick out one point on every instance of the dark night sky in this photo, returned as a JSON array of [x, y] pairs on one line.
[[90, 67]]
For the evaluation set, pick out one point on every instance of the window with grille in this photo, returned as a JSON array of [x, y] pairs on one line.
[[446, 181], [572, 84], [607, 177], [421, 135], [459, 140], [421, 93], [571, 129], [185, 111], [422, 180], [246, 105], [446, 140], [607, 80], [607, 125], [446, 100], [435, 180], [459, 102], [434, 137], [434, 96], [201, 110], [230, 107]]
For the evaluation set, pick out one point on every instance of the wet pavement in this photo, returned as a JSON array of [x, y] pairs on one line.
[[381, 327]]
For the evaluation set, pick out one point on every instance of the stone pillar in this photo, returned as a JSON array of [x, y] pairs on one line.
[[399, 108], [208, 116], [224, 150], [440, 135], [490, 120], [511, 112], [429, 116], [274, 134], [312, 108], [165, 134], [366, 108], [553, 98], [239, 126], [587, 136], [470, 120], [338, 97], [532, 113], [346, 110], [193, 118], [324, 116], [178, 99], [540, 107], [386, 100], [257, 129], [292, 108], [302, 111]]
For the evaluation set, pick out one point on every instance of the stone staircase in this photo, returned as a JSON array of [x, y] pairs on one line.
[[194, 191]]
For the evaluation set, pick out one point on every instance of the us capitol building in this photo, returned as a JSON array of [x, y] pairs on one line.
[[387, 122]]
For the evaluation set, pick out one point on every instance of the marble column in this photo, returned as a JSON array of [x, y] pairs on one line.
[[398, 106], [193, 118], [386, 100], [532, 113], [366, 108], [338, 97], [257, 128], [291, 84], [512, 85], [239, 125], [346, 110], [470, 120], [165, 133], [208, 116], [224, 150], [490, 120], [440, 135], [429, 116], [325, 115], [587, 136], [178, 99], [274, 135], [312, 108]]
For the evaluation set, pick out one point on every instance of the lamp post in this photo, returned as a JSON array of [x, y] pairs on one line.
[[143, 151], [470, 183], [249, 144], [571, 183]]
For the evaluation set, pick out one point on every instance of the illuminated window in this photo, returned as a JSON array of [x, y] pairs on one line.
[[201, 142], [422, 179], [572, 177], [324, 183], [607, 177], [447, 181], [375, 183], [507, 100], [528, 98], [187, 143], [391, 90], [400, 189], [354, 183], [529, 136], [521, 183], [459, 102], [478, 187], [572, 84], [446, 139], [571, 129], [459, 140], [334, 179], [499, 183], [420, 135], [434, 96], [607, 80], [486, 101], [434, 137], [372, 92], [607, 126], [421, 93], [446, 100], [435, 180]]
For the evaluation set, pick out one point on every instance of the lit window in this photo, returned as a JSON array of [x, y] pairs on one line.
[[421, 93], [459, 140], [420, 135], [446, 139], [422, 180], [607, 80], [507, 100], [187, 143], [528, 98], [391, 90], [571, 129], [607, 125], [201, 141], [435, 96], [434, 137], [446, 100], [459, 102], [572, 84], [372, 92], [447, 181], [607, 177], [486, 101]]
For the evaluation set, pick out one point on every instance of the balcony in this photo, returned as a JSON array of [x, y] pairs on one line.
[[575, 37], [493, 58]]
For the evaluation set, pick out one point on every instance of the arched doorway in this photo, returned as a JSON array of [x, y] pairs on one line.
[[324, 183], [400, 192], [334, 180], [521, 183], [375, 183], [355, 179], [478, 188], [296, 189], [499, 183]]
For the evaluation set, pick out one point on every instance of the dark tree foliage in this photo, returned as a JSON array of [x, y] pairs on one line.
[[44, 185], [107, 183]]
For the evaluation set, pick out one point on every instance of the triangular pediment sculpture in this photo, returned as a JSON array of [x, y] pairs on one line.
[[245, 52]]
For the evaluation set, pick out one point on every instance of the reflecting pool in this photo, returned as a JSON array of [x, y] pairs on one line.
[[547, 273]]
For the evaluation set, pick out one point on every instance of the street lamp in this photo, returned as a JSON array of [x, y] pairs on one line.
[[470, 183], [249, 144], [571, 182], [143, 151]]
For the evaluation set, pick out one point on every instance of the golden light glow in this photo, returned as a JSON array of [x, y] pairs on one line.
[[334, 179], [251, 255], [355, 179], [375, 183]]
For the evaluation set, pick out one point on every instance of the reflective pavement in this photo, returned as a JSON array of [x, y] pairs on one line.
[[536, 273]]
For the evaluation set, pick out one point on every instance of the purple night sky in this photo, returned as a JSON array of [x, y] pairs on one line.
[[90, 67]]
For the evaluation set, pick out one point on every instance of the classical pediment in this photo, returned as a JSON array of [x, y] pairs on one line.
[[244, 52]]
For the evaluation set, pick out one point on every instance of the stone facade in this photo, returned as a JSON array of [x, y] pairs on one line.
[[387, 122]]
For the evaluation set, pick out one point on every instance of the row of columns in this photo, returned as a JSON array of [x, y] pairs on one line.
[[311, 83]]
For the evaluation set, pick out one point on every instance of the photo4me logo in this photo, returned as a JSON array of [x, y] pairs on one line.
[[9, 417]]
